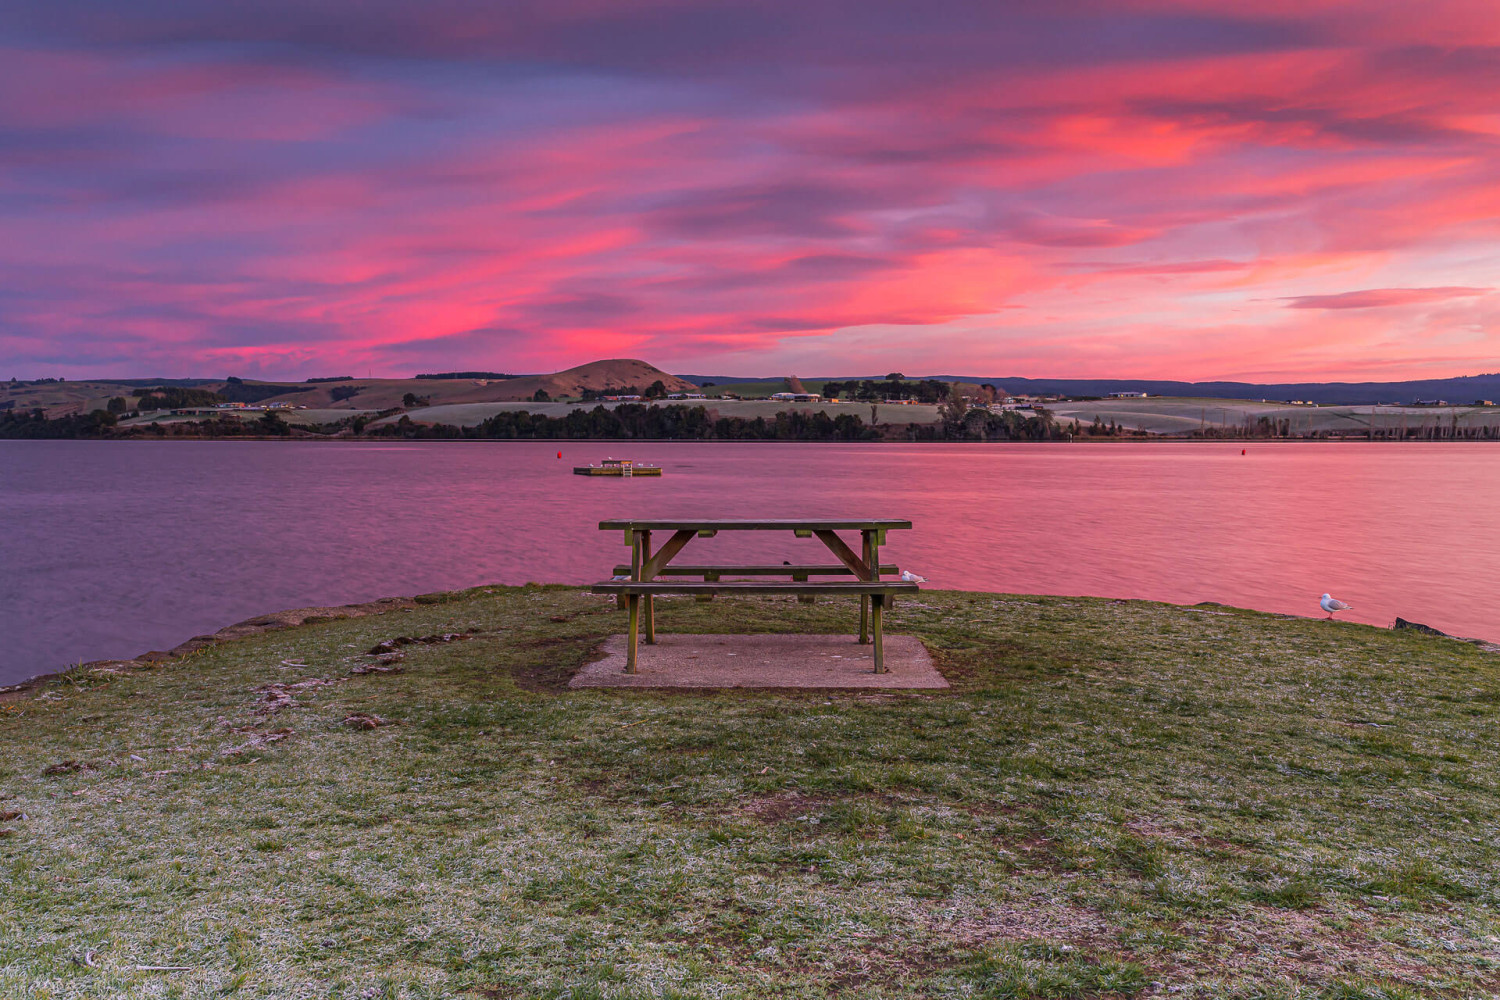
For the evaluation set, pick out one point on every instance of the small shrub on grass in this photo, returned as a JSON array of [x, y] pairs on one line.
[[1367, 991], [1141, 856], [1049, 971], [853, 818], [1293, 894]]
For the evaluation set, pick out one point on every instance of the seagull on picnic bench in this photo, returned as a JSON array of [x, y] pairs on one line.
[[1331, 604]]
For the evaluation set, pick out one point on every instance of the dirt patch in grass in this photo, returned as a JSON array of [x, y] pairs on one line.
[[1077, 926], [551, 663], [1308, 946], [782, 807], [1150, 827]]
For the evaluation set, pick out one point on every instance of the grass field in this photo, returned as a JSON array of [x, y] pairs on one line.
[[1115, 800], [1173, 415], [760, 390]]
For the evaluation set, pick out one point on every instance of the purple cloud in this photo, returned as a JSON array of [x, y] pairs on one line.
[[1379, 298]]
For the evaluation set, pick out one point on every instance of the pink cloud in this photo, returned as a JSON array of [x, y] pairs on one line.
[[534, 194], [1378, 298]]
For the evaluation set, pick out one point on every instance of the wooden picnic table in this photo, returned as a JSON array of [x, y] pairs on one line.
[[647, 565]]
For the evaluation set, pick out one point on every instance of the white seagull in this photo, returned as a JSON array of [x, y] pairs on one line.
[[911, 577], [1331, 604]]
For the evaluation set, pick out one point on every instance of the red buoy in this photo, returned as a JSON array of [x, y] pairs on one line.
[[559, 454]]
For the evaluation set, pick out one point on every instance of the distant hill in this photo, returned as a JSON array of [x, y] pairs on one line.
[[63, 398], [1464, 389], [379, 394]]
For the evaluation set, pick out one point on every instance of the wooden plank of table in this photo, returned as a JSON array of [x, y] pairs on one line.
[[741, 524]]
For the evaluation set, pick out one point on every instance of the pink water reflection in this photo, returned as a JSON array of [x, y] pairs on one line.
[[112, 548]]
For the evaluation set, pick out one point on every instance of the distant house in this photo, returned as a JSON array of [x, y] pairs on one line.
[[1128, 395], [686, 395], [1484, 402], [796, 397], [1431, 402]]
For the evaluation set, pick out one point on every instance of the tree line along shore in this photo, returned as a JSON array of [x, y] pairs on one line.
[[678, 422]]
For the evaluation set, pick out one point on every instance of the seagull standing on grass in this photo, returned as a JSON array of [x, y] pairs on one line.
[[1331, 604]]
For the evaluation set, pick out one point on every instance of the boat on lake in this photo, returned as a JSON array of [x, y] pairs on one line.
[[623, 467]]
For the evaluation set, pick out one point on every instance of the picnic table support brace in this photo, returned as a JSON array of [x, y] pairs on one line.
[[653, 567], [859, 567], [877, 602]]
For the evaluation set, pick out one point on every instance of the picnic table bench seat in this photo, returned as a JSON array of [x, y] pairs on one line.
[[796, 572], [880, 592]]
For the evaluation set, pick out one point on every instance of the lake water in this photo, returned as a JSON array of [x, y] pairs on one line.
[[108, 549]]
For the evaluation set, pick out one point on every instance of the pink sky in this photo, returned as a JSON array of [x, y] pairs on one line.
[[1148, 188]]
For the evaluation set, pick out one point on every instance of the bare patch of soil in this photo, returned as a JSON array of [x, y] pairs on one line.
[[780, 808]]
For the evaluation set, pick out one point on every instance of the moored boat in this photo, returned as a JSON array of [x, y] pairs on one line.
[[624, 467]]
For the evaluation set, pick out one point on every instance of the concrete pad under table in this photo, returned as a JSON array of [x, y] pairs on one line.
[[763, 661]]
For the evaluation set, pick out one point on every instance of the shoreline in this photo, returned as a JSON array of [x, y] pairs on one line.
[[1123, 440], [269, 622], [295, 617]]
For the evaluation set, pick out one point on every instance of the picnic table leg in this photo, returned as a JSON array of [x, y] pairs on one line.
[[650, 609], [878, 601], [635, 566], [864, 601], [803, 598], [630, 640]]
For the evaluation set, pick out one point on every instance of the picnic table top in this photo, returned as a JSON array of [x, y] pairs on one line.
[[741, 524], [754, 587]]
